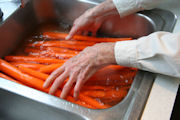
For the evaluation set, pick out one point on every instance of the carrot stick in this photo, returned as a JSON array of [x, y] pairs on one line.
[[57, 44], [33, 73], [92, 101], [79, 102], [28, 65], [37, 52], [94, 93], [93, 87], [61, 50], [8, 78], [50, 68], [33, 59], [54, 35], [24, 78]]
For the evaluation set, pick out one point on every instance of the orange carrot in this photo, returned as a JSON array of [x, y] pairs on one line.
[[8, 78], [79, 102], [92, 101], [94, 93], [33, 59], [37, 52], [28, 65], [34, 73], [54, 35], [61, 50], [50, 68], [24, 78], [57, 44]]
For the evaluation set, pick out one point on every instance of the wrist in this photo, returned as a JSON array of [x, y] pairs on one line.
[[105, 54]]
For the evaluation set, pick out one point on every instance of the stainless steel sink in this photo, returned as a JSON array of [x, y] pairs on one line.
[[18, 102]]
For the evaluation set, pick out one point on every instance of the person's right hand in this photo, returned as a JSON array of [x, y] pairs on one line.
[[86, 23]]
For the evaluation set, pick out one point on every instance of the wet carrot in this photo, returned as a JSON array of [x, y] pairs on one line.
[[24, 78], [50, 68], [113, 94], [55, 35], [61, 50], [33, 73], [28, 65], [94, 93], [28, 59], [79, 102], [37, 52], [8, 78], [57, 44], [92, 101]]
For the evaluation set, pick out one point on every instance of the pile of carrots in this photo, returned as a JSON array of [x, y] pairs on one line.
[[45, 53]]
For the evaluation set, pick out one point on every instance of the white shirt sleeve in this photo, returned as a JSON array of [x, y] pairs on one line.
[[159, 52], [127, 7]]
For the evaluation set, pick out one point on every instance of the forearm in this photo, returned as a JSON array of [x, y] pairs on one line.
[[158, 52]]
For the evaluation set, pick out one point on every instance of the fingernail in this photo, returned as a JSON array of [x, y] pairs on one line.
[[68, 37], [44, 85]]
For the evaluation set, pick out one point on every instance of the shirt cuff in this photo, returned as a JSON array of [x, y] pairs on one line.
[[126, 53], [126, 7]]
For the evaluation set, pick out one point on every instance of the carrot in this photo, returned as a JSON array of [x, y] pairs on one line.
[[28, 65], [24, 78], [113, 94], [8, 78], [34, 73], [93, 87], [92, 101], [50, 68], [61, 50], [33, 59], [54, 35], [37, 52], [79, 102], [57, 44], [94, 93]]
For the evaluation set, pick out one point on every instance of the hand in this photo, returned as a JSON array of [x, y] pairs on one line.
[[92, 19], [86, 23], [80, 68]]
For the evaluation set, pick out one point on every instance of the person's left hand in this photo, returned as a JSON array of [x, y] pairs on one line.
[[80, 68]]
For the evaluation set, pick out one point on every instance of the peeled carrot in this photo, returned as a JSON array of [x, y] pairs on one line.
[[94, 93], [28, 65], [24, 78], [79, 102], [57, 44], [33, 59], [92, 102], [37, 52], [61, 50], [54, 35], [8, 78], [50, 68], [113, 94], [34, 73]]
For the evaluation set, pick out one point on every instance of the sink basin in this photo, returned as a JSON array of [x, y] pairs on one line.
[[19, 102]]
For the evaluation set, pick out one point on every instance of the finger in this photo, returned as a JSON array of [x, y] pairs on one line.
[[73, 31], [58, 82], [68, 85], [53, 75], [83, 76]]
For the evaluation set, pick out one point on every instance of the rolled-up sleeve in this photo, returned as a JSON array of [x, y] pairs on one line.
[[159, 52], [127, 7]]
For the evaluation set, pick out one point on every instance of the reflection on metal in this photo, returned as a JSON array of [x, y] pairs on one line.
[[21, 102]]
